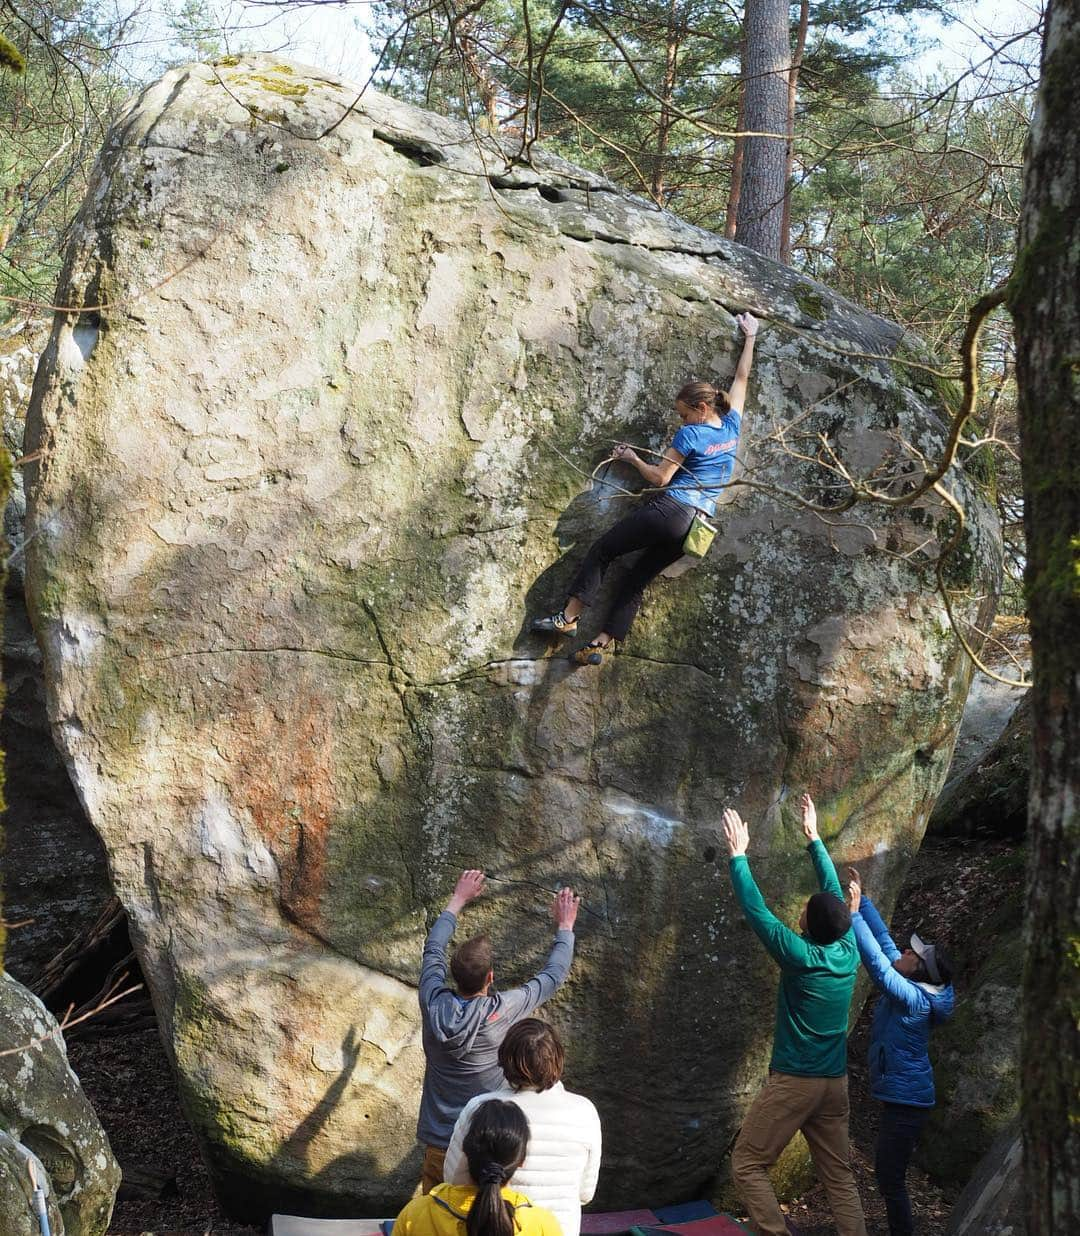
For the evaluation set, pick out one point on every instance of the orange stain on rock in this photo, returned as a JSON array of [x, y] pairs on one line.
[[283, 754]]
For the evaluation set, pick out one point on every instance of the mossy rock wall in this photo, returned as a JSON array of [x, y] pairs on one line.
[[989, 797], [976, 1054], [306, 477]]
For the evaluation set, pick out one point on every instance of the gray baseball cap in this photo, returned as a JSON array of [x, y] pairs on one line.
[[928, 956]]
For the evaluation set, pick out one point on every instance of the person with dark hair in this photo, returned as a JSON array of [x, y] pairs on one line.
[[916, 994], [692, 471], [807, 1084], [561, 1168], [462, 1028], [484, 1205]]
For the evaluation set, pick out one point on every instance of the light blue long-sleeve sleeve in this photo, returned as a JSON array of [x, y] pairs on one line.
[[879, 965]]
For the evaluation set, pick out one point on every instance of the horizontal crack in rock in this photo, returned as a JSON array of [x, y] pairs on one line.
[[313, 652]]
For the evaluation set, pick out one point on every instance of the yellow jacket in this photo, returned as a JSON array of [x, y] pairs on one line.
[[442, 1213]]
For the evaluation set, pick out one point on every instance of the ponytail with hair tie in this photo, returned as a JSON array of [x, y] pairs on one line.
[[495, 1147]]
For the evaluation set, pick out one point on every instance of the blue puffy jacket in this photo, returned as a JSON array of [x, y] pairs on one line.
[[900, 1069]]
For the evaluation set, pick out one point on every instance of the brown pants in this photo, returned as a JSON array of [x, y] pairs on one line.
[[431, 1173], [819, 1107]]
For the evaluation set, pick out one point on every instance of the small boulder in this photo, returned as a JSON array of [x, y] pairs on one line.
[[45, 1114], [992, 1204], [17, 1214]]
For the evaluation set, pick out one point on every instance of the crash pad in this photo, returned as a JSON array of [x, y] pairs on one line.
[[294, 1225], [714, 1225]]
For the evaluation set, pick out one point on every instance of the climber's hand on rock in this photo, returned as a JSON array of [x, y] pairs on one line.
[[469, 886], [564, 909], [749, 324], [624, 453], [736, 834], [809, 818]]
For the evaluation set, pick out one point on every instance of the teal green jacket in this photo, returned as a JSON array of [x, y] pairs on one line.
[[816, 980]]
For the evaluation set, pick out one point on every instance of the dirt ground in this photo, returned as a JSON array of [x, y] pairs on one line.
[[129, 1082]]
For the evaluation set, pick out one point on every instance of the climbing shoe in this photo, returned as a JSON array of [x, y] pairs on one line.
[[557, 624], [591, 654]]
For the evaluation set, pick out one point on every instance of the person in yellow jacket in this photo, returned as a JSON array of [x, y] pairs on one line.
[[495, 1148]]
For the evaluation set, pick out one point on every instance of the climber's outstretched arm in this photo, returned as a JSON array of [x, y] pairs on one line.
[[828, 880], [781, 943], [737, 391]]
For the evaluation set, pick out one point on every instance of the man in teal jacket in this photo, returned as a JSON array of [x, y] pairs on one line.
[[807, 1085]]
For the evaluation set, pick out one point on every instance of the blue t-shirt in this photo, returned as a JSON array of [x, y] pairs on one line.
[[709, 460]]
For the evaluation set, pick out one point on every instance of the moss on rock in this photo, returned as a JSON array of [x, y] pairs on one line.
[[977, 1057], [811, 302]]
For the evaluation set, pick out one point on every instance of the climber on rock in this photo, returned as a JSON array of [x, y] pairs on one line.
[[807, 1084], [464, 1025], [692, 471]]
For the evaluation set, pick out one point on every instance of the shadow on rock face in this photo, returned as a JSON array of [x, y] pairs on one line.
[[336, 1189]]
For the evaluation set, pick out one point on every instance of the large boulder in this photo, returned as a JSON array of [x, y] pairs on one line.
[[54, 876], [45, 1116], [313, 449]]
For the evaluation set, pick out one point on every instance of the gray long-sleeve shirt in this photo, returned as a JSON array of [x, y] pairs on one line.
[[462, 1037]]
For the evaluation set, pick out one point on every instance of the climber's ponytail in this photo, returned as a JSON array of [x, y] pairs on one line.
[[495, 1147], [694, 393]]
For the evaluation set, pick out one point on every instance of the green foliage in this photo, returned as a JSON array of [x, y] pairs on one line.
[[197, 32], [645, 94], [811, 302], [914, 214], [53, 117], [910, 207]]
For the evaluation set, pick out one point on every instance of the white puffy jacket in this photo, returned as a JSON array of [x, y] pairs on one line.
[[563, 1162]]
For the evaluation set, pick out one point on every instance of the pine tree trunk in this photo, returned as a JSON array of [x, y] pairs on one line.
[[1044, 297], [737, 155], [789, 152], [766, 64], [667, 96]]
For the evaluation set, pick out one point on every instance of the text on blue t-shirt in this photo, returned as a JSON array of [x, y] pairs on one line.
[[708, 461]]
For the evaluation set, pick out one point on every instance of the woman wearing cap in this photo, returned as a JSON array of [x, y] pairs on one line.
[[563, 1163], [916, 994], [495, 1148], [695, 467]]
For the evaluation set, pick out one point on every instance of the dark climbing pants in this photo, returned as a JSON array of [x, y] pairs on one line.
[[659, 528], [898, 1133]]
